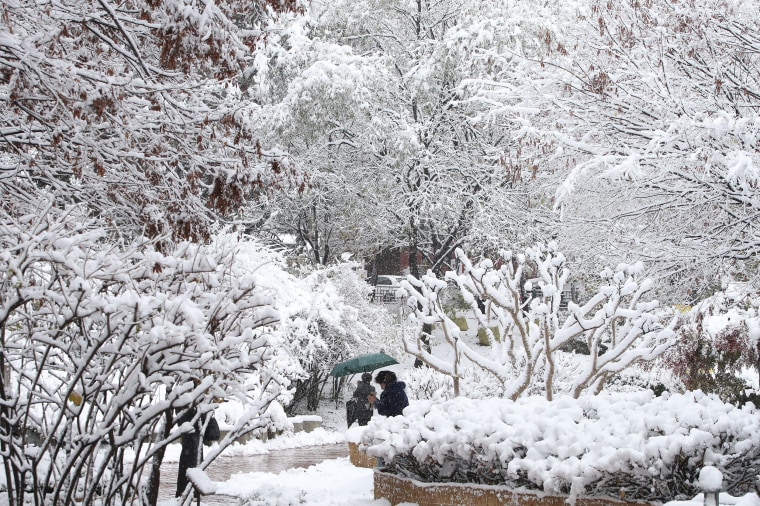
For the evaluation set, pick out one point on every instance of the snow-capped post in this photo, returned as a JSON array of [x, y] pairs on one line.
[[711, 483], [617, 325]]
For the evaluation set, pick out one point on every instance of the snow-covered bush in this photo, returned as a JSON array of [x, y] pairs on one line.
[[617, 324], [104, 345], [717, 348], [326, 317], [635, 445]]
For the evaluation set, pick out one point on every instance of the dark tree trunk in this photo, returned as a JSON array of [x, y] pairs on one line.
[[313, 395], [309, 389], [302, 388], [414, 269]]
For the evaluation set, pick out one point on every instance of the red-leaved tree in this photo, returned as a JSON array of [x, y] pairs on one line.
[[130, 108]]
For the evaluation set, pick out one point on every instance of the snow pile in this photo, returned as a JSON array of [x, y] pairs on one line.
[[632, 445]]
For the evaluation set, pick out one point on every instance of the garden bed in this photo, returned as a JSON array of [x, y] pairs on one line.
[[400, 490], [636, 446], [359, 458]]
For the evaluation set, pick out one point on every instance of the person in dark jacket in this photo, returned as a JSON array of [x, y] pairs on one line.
[[393, 398], [362, 409], [191, 452]]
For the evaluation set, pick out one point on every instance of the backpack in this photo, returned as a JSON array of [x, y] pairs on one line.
[[351, 411]]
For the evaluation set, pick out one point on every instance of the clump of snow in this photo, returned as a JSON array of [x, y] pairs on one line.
[[354, 434], [274, 417], [710, 479], [202, 482], [330, 483]]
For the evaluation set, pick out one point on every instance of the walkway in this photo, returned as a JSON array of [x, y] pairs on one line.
[[275, 461]]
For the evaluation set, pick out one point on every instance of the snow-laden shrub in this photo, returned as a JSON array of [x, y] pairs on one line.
[[326, 318], [717, 348], [634, 445], [105, 346], [527, 334]]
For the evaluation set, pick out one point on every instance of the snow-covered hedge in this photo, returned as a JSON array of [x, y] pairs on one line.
[[635, 445]]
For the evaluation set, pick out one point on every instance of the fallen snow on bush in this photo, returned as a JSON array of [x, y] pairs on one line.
[[634, 445]]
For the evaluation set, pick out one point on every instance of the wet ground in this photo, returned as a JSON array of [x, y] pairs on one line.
[[275, 461]]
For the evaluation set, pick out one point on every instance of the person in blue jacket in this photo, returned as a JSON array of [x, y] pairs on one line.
[[393, 398]]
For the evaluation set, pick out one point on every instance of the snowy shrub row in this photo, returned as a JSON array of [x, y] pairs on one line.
[[632, 445]]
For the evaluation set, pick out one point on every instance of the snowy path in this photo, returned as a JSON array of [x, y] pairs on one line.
[[316, 474]]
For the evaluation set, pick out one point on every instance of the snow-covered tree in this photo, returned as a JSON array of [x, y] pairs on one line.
[[326, 317], [517, 301], [376, 100], [660, 100], [433, 169], [104, 346], [122, 137], [323, 326], [316, 96], [130, 109]]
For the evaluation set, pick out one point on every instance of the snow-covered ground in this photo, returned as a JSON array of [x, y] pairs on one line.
[[333, 482]]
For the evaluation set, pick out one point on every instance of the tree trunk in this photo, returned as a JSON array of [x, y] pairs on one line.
[[312, 396], [427, 329], [414, 269], [154, 479], [6, 432], [302, 389]]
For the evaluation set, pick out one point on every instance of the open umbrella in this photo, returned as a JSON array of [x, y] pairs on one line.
[[362, 363]]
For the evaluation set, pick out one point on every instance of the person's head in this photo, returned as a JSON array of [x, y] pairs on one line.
[[366, 377], [385, 378]]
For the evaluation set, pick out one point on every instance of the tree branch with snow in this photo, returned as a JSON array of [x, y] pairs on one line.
[[102, 345], [518, 303]]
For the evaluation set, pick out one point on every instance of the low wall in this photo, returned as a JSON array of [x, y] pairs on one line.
[[310, 422], [358, 458], [403, 490], [305, 423]]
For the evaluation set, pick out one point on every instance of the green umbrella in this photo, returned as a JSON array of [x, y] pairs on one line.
[[362, 363]]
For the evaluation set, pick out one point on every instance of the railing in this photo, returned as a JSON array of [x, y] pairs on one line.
[[385, 294], [569, 294]]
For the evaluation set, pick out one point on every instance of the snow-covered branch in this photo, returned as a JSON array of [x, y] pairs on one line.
[[103, 345], [520, 305]]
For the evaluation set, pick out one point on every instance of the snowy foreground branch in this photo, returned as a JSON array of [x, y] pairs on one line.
[[104, 346], [634, 446], [518, 304]]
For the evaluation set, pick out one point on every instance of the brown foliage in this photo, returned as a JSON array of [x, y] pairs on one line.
[[109, 110]]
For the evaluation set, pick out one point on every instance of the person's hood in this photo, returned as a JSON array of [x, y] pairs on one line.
[[396, 385]]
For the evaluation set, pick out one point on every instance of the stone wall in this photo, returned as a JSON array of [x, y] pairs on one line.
[[358, 458], [403, 490]]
